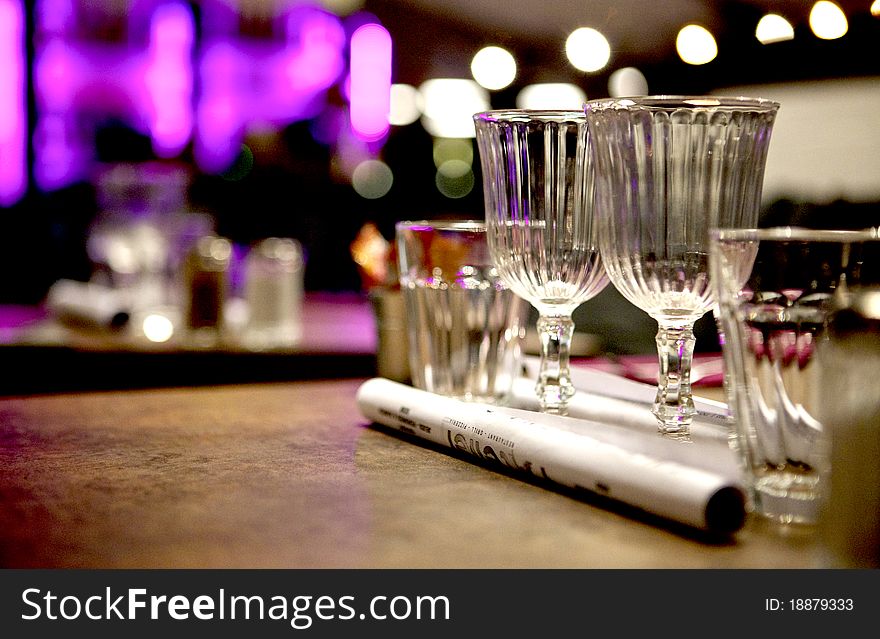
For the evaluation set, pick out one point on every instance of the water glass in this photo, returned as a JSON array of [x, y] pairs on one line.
[[465, 326], [538, 189], [670, 169], [776, 289]]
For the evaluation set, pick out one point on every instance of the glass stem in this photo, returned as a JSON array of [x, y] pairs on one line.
[[674, 406], [554, 386]]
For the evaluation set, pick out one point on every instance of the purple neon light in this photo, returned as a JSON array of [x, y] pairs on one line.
[[245, 81], [13, 151], [151, 86], [313, 57], [370, 81], [69, 78], [57, 155], [56, 16], [169, 79], [57, 70], [219, 115], [219, 18]]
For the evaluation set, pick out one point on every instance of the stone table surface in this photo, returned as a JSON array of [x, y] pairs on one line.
[[290, 475]]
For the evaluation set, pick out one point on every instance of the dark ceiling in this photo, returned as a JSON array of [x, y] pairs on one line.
[[435, 38]]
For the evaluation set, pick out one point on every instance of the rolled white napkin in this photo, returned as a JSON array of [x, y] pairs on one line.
[[692, 483], [88, 304], [611, 399]]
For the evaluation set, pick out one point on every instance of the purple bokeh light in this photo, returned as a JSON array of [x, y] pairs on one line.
[[163, 83], [169, 79], [245, 81], [13, 116], [370, 87], [78, 83]]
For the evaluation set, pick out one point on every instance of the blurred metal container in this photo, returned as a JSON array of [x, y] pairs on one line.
[[392, 346]]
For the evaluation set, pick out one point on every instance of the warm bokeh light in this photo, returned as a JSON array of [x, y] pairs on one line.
[[454, 179], [587, 49], [158, 328], [454, 149], [828, 21], [406, 104], [493, 68], [875, 8], [696, 45], [449, 106], [773, 28], [627, 81], [372, 179], [370, 251], [342, 7], [551, 95], [454, 160]]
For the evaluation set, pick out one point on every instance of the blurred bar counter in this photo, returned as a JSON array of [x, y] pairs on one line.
[[41, 354]]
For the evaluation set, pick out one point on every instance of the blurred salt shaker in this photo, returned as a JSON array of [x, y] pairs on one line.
[[273, 290], [849, 525]]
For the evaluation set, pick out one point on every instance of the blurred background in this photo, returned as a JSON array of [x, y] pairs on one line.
[[130, 128]]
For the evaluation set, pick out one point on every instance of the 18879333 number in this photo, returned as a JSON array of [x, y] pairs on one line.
[[810, 604], [821, 604]]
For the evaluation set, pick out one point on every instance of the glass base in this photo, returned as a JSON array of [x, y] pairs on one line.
[[788, 498], [554, 398], [673, 420]]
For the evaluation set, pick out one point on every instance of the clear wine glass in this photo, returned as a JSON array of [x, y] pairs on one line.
[[671, 168], [539, 188]]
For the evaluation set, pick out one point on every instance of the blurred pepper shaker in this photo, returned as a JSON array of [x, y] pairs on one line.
[[849, 525], [206, 272], [273, 290]]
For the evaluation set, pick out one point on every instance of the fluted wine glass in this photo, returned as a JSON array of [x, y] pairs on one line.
[[538, 184], [671, 168]]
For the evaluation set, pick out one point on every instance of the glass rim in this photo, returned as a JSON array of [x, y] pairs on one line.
[[797, 234], [530, 115], [665, 102], [440, 225]]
